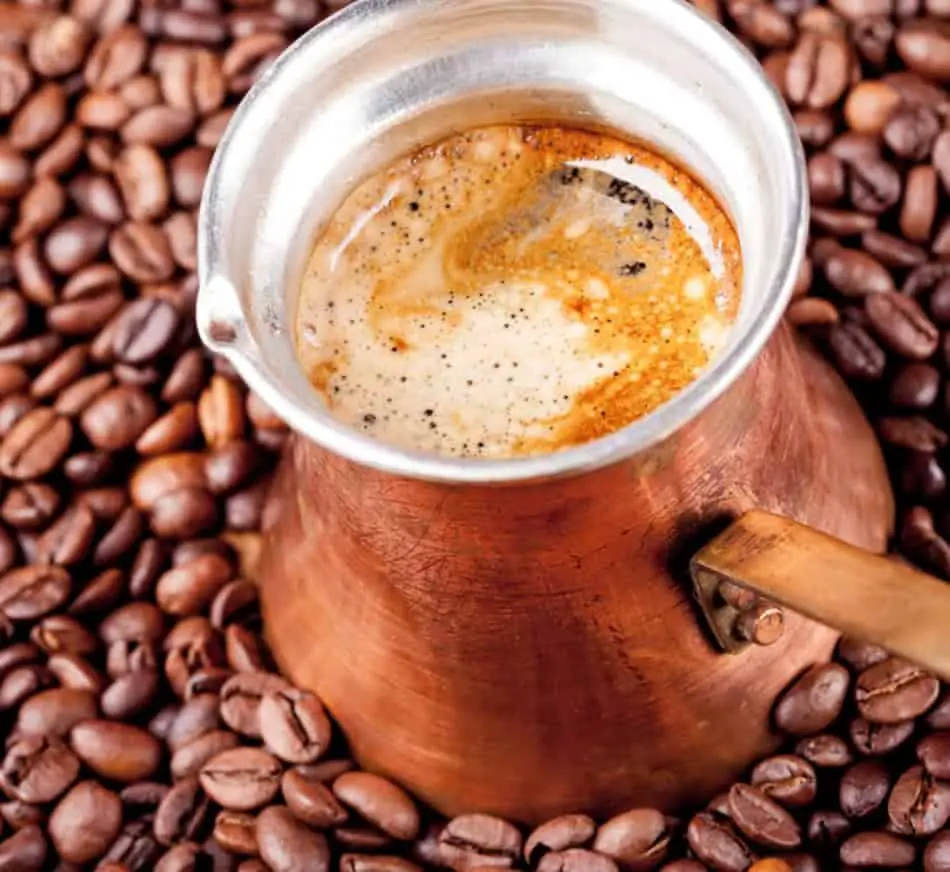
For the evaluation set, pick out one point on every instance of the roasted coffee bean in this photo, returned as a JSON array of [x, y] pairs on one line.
[[571, 860], [39, 118], [922, 477], [32, 591], [294, 725], [35, 444], [188, 170], [860, 655], [640, 837], [762, 820], [828, 828], [559, 834], [825, 750], [286, 845], [56, 711], [478, 839], [924, 45], [241, 779], [857, 355], [895, 691], [902, 325], [85, 822], [311, 800], [789, 780], [934, 752], [241, 698], [188, 759], [119, 752], [38, 769], [25, 851], [878, 850], [235, 832], [130, 694], [716, 844], [918, 805], [814, 701], [183, 813], [857, 274], [937, 853], [380, 802], [915, 386], [199, 715], [863, 788], [135, 848]]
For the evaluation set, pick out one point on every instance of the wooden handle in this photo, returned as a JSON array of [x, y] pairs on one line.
[[865, 596]]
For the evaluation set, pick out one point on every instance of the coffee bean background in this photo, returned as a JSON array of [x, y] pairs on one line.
[[143, 725]]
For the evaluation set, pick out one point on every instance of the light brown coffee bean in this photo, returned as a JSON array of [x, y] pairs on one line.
[[384, 863], [182, 813], [818, 69], [919, 209], [181, 230], [221, 412], [62, 153], [85, 822], [60, 372], [192, 756], [172, 432], [143, 182], [40, 208], [158, 126], [639, 838], [74, 244], [192, 80], [870, 105], [56, 711], [294, 725], [380, 802], [117, 417], [115, 58], [310, 799], [286, 845], [58, 46], [38, 769], [29, 592], [39, 118], [119, 752], [102, 110], [241, 697], [924, 45], [188, 589], [142, 252], [235, 832], [14, 172], [188, 170], [15, 80], [96, 195], [35, 445], [241, 779], [25, 850]]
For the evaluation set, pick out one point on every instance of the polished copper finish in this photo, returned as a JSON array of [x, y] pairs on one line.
[[533, 649]]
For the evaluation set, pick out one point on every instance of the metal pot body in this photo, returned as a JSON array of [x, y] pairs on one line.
[[513, 635]]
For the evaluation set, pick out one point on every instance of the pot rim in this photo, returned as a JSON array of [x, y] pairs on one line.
[[222, 321]]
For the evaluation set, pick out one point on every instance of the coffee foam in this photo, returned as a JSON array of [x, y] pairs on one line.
[[516, 291]]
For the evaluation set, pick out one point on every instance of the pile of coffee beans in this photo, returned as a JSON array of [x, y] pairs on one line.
[[144, 726]]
